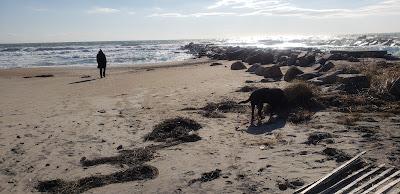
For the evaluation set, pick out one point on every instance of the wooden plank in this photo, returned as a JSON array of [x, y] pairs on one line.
[[388, 186], [343, 190], [302, 188], [335, 186], [382, 181], [333, 174], [371, 181]]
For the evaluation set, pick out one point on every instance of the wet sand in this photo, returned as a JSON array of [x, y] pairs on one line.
[[48, 124]]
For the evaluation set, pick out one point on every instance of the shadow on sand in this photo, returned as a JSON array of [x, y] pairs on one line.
[[266, 127], [83, 81]]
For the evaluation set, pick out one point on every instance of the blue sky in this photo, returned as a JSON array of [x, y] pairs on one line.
[[91, 20]]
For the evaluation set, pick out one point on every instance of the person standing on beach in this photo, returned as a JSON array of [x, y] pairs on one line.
[[101, 63]]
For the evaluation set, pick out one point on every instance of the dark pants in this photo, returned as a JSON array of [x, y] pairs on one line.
[[102, 72]]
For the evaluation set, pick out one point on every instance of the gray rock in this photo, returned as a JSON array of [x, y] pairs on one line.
[[260, 71], [305, 59], [308, 76], [395, 88], [238, 66], [353, 59], [326, 67], [292, 60], [254, 67], [291, 73], [328, 78], [272, 72], [353, 82]]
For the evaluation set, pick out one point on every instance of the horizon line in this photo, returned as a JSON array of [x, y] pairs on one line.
[[56, 42]]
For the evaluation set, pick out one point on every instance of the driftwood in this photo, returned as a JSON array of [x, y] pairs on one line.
[[355, 177], [341, 169], [381, 182]]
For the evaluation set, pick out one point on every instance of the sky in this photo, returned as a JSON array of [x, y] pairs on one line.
[[107, 20]]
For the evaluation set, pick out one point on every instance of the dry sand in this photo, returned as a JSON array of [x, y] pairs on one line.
[[48, 124]]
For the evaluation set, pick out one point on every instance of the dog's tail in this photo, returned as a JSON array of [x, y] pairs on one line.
[[246, 101]]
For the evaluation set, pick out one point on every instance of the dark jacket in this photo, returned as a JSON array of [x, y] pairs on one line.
[[101, 60]]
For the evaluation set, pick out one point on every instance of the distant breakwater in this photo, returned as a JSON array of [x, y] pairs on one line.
[[297, 56]]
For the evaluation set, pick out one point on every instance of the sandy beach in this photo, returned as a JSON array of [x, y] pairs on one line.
[[47, 124]]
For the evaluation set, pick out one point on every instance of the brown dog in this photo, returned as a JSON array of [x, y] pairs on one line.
[[275, 97]]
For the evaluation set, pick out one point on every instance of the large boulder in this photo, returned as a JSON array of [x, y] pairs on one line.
[[353, 82], [305, 59], [326, 67], [328, 78], [260, 71], [238, 66], [291, 73], [395, 88], [270, 72], [273, 72], [254, 67]]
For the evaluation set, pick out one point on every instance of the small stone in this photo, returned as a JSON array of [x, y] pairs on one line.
[[119, 147]]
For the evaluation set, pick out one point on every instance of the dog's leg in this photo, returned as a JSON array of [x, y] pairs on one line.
[[252, 114], [260, 117], [271, 114]]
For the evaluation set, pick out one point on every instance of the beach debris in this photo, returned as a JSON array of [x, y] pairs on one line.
[[300, 116], [40, 76], [119, 147], [224, 106], [212, 114], [85, 76], [143, 172], [101, 111], [208, 176], [189, 109], [174, 129], [316, 137], [335, 154], [355, 176], [290, 183], [132, 157]]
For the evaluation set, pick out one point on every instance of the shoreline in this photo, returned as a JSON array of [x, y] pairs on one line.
[[32, 71]]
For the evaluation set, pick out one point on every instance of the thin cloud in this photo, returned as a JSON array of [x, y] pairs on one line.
[[287, 8], [103, 10], [200, 14], [39, 9]]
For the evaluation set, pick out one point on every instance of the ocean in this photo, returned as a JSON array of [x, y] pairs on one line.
[[122, 53]]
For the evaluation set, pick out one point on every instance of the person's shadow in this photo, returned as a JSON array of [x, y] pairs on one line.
[[266, 127]]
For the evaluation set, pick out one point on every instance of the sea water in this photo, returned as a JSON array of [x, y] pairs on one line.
[[120, 53]]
